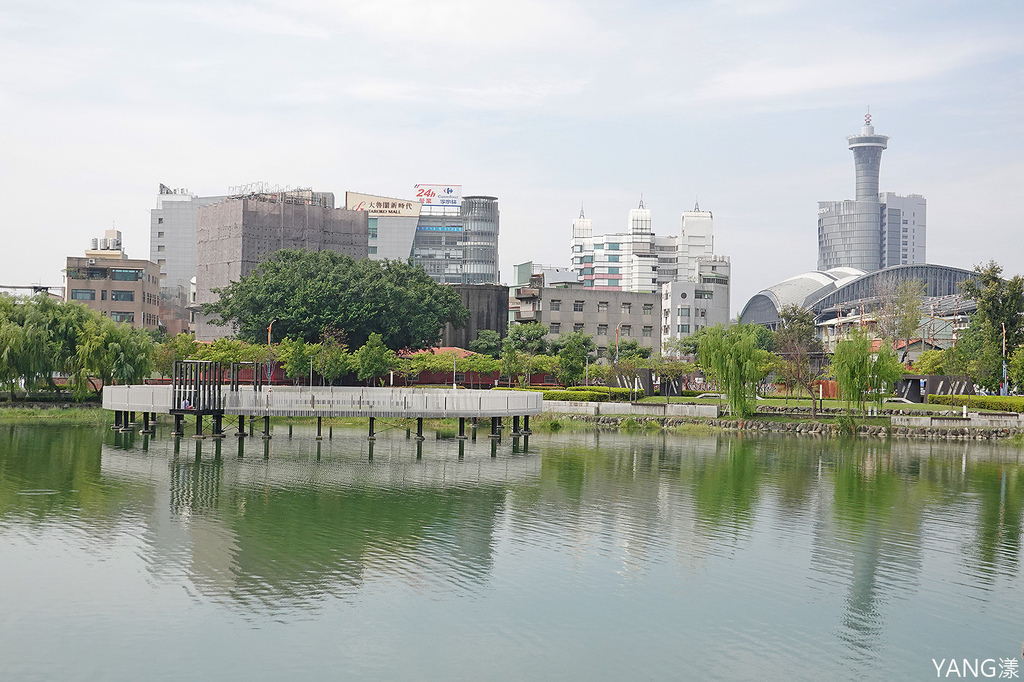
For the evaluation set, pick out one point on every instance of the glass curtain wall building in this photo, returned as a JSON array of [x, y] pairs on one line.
[[459, 245]]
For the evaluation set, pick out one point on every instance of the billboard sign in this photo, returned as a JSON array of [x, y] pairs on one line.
[[439, 195], [381, 206]]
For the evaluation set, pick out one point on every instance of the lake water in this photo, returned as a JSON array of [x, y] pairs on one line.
[[576, 556]]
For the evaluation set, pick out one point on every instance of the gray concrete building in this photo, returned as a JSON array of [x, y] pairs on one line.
[[488, 309], [688, 306], [172, 246], [603, 313], [235, 235]]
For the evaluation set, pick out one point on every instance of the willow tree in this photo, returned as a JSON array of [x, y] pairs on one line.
[[733, 358]]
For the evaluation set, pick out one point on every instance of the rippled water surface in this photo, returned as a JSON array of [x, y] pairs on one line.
[[572, 556]]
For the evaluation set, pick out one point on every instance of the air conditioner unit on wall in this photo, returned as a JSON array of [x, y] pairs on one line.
[[92, 261]]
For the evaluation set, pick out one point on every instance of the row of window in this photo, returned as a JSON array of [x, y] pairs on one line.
[[602, 329], [555, 305], [90, 295]]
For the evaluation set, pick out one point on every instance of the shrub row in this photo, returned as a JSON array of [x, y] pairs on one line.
[[982, 402], [619, 395], [581, 396]]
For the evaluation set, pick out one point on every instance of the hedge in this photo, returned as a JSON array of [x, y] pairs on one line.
[[982, 402], [614, 394], [579, 396]]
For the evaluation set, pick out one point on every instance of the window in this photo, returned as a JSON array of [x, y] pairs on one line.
[[159, 235], [460, 376], [613, 247], [83, 295], [626, 307], [683, 328], [555, 304], [555, 328], [588, 283], [613, 271], [371, 228], [602, 330], [683, 312], [588, 259], [160, 247], [577, 306], [602, 306], [627, 330], [122, 295], [588, 271], [126, 275], [160, 221], [647, 331], [577, 327], [702, 294], [613, 282], [123, 317], [103, 295], [648, 308], [613, 259]]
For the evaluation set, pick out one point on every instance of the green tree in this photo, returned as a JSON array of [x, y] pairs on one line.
[[305, 293], [886, 371], [480, 364], [731, 356], [174, 349], [487, 342], [800, 354], [930, 362], [333, 360], [627, 348], [574, 351], [669, 369], [527, 338], [1000, 308], [512, 364], [1016, 368], [374, 359], [852, 368]]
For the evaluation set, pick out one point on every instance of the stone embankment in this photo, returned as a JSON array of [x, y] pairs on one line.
[[807, 428]]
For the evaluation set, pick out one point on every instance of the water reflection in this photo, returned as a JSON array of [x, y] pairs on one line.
[[795, 535]]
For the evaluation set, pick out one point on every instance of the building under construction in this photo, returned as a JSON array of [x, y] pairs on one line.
[[233, 236]]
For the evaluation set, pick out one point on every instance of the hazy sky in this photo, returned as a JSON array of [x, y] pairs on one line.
[[742, 104]]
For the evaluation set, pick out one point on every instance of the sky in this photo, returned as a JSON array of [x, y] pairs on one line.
[[740, 105]]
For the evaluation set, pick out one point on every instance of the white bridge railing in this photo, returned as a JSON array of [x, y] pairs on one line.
[[340, 401]]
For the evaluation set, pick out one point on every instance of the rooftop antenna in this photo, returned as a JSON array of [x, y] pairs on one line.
[[867, 116], [641, 201], [581, 210], [696, 205]]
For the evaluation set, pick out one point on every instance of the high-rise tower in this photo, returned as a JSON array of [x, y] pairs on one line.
[[867, 157], [871, 231]]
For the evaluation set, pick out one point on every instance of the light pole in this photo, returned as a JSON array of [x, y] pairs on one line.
[[455, 357], [311, 371], [270, 328]]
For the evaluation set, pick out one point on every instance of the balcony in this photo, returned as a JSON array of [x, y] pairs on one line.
[[527, 316], [527, 292]]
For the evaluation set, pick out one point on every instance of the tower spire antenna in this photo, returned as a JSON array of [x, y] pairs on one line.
[[581, 211], [867, 116], [696, 205], [641, 201]]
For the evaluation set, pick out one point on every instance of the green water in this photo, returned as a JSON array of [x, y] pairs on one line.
[[573, 556]]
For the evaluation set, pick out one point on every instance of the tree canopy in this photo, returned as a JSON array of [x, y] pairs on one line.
[[305, 293]]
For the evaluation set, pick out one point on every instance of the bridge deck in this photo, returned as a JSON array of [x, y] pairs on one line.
[[338, 401]]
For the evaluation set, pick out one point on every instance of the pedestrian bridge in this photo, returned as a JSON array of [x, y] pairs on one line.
[[327, 401]]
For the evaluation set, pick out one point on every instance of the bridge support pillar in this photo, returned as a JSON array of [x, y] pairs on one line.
[[117, 421], [515, 425], [266, 427], [419, 428], [145, 423], [319, 428], [199, 426], [131, 419], [218, 426], [526, 425], [177, 426], [462, 428], [494, 428], [241, 426], [370, 436]]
